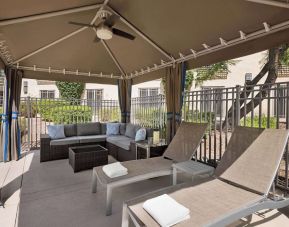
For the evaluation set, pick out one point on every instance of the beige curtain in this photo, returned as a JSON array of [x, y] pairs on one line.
[[10, 129], [124, 97], [174, 88]]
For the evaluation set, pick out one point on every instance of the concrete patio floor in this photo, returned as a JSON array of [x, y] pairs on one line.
[[52, 195]]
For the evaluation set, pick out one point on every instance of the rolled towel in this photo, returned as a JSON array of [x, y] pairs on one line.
[[166, 211], [114, 170]]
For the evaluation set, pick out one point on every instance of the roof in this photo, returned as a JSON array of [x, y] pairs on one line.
[[35, 36]]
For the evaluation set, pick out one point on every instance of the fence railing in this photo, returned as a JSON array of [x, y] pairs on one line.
[[36, 114], [150, 112], [261, 106]]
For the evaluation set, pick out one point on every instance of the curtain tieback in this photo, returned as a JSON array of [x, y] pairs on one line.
[[4, 117], [178, 117], [15, 115], [170, 115]]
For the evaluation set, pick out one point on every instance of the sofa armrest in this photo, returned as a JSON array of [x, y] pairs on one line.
[[44, 147]]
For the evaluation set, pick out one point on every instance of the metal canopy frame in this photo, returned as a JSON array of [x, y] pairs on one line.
[[49, 14], [170, 61], [271, 3]]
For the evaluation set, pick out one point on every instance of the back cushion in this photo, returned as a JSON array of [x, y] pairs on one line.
[[86, 129], [103, 128], [130, 130], [122, 128], [70, 130], [56, 131]]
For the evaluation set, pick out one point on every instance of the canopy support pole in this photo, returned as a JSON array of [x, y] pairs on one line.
[[113, 57], [144, 36], [48, 15], [62, 38], [271, 3]]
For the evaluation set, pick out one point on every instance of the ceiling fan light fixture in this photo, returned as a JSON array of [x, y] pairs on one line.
[[104, 33]]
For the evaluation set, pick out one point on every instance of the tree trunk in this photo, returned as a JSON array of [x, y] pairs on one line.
[[272, 68]]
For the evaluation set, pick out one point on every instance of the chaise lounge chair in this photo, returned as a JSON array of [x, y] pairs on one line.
[[241, 185], [182, 148]]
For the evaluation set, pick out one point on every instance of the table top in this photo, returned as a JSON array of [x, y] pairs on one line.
[[88, 148], [146, 145]]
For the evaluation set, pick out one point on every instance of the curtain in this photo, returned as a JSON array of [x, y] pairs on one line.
[[174, 88], [124, 97], [10, 129]]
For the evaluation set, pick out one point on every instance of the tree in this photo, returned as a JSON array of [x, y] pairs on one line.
[[276, 56], [70, 90], [202, 74], [209, 72]]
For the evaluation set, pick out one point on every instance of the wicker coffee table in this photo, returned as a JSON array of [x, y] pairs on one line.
[[87, 157]]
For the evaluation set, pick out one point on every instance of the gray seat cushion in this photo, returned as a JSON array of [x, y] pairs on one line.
[[120, 141], [65, 141], [70, 130], [92, 139], [86, 129]]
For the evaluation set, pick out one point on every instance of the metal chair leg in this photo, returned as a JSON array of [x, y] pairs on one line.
[[108, 201]]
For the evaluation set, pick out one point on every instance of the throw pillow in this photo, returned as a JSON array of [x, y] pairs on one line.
[[56, 131], [112, 129], [140, 134]]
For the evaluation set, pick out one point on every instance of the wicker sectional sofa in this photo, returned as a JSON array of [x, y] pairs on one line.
[[121, 147]]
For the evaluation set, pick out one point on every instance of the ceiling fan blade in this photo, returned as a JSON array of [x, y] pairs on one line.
[[123, 34], [111, 20], [82, 24]]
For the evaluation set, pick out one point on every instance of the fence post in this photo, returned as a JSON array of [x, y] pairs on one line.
[[28, 106], [237, 119]]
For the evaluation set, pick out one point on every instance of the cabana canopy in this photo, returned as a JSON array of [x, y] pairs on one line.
[[35, 35]]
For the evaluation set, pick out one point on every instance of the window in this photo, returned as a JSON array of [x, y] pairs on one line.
[[25, 87], [94, 96], [144, 92], [47, 94]]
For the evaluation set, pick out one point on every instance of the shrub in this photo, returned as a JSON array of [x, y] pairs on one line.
[[197, 116], [69, 114], [45, 106], [110, 114], [263, 119], [151, 117], [70, 90]]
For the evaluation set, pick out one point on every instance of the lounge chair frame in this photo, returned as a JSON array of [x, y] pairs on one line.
[[265, 202], [121, 182]]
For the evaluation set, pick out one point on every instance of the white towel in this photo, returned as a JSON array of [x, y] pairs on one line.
[[114, 170], [166, 211]]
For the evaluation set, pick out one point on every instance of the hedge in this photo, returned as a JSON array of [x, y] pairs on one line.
[[272, 122], [69, 114]]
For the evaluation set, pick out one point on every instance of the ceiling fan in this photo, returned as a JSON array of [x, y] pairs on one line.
[[105, 30]]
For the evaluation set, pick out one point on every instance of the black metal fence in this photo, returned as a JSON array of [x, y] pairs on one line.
[[150, 112], [262, 106]]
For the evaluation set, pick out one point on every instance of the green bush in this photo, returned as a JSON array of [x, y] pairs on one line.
[[263, 119], [69, 114], [110, 114], [23, 109], [45, 106], [197, 116], [151, 117]]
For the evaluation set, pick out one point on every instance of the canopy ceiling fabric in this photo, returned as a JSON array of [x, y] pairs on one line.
[[175, 26]]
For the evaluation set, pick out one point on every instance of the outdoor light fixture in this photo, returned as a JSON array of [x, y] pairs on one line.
[[104, 32]]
